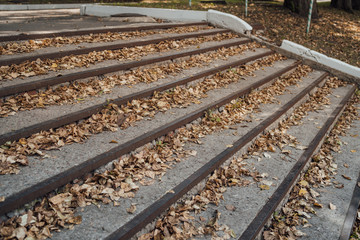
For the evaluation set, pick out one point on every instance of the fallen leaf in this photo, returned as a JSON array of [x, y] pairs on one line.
[[332, 206], [318, 205], [346, 165], [267, 155], [302, 147], [303, 183], [20, 233], [75, 220], [313, 193], [353, 151], [264, 187], [202, 219], [302, 192], [113, 141], [229, 146], [346, 177], [340, 185], [230, 207], [131, 209]]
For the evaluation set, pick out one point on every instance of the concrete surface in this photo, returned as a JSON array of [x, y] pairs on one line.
[[228, 21], [20, 7], [250, 199], [327, 223], [74, 154], [16, 22], [321, 58], [169, 14], [95, 226]]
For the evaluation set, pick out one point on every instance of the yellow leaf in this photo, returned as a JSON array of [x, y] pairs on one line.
[[353, 151], [302, 192], [113, 141], [41, 102], [54, 65], [303, 183], [318, 205], [22, 141], [75, 220], [264, 187]]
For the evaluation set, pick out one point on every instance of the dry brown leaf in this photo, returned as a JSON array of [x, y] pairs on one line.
[[346, 177], [131, 209]]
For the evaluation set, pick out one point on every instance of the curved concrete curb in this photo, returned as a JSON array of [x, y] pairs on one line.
[[228, 21], [320, 58], [169, 14], [18, 7], [216, 18]]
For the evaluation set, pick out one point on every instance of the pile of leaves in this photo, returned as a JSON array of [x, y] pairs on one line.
[[59, 210], [41, 67], [32, 45], [78, 90]]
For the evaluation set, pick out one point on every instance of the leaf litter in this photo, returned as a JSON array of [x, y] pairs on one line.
[[79, 89], [13, 154], [216, 185], [41, 67], [32, 45], [58, 210], [319, 174]]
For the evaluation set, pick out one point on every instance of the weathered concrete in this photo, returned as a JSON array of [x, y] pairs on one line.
[[18, 7], [327, 223], [314, 64], [321, 58], [229, 21], [169, 14]]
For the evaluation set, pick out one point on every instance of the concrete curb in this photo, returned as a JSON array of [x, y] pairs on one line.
[[309, 61], [320, 58], [18, 7], [228, 21], [169, 14]]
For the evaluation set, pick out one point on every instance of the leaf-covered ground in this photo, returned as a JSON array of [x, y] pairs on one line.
[[336, 33]]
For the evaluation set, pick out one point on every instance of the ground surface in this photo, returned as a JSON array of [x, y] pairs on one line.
[[276, 32]]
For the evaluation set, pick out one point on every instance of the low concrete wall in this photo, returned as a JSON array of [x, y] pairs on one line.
[[228, 21], [320, 58], [19, 7], [169, 14]]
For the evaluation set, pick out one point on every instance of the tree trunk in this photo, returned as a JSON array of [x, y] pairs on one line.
[[302, 7], [347, 5], [356, 4]]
